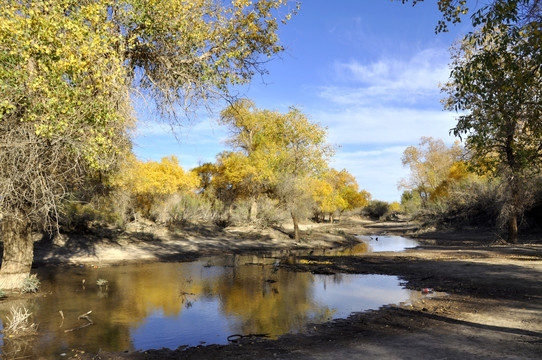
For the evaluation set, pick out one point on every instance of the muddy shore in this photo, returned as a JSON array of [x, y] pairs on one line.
[[488, 301]]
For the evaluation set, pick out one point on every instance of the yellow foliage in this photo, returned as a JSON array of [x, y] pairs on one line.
[[394, 207], [456, 173], [163, 178], [430, 165], [338, 191], [270, 148], [313, 262], [322, 194], [58, 66], [206, 173], [148, 181]]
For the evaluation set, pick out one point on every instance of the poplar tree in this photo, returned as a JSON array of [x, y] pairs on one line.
[[69, 70]]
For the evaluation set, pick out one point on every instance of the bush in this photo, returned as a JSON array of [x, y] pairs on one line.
[[180, 208], [122, 208], [474, 202], [376, 209], [411, 202], [79, 216], [238, 214], [270, 213], [18, 323], [264, 213], [31, 284]]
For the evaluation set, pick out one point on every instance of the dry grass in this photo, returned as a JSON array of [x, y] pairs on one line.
[[18, 323]]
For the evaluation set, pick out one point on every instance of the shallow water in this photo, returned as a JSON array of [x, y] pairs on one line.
[[191, 303], [379, 243]]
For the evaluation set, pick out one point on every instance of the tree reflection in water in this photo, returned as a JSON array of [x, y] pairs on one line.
[[172, 304]]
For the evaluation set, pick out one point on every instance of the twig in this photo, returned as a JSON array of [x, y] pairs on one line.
[[82, 316], [85, 316], [62, 315]]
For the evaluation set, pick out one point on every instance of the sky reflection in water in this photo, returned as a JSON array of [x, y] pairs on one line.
[[379, 243], [173, 304]]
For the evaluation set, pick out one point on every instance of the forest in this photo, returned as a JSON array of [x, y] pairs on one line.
[[71, 71], [66, 144]]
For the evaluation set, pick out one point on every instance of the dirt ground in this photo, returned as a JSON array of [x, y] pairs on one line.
[[487, 302]]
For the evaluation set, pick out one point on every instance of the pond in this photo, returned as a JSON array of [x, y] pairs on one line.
[[151, 306], [378, 243]]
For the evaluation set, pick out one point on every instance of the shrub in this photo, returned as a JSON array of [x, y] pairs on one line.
[[376, 209], [238, 215], [122, 207], [180, 208], [18, 323], [265, 212], [78, 216], [31, 284], [471, 203], [270, 213], [411, 202]]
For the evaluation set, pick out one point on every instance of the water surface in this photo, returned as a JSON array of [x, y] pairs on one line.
[[379, 243], [201, 302]]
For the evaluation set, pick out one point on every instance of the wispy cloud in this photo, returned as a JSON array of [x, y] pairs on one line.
[[385, 125], [377, 109], [389, 80]]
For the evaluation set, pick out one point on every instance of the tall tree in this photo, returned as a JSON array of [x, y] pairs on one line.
[[496, 82], [63, 113], [68, 73], [283, 151], [337, 191], [247, 170], [429, 165], [300, 150]]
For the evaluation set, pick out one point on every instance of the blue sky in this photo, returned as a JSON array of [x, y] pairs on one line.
[[368, 70]]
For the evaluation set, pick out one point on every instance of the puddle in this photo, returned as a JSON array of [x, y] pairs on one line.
[[160, 305], [380, 243]]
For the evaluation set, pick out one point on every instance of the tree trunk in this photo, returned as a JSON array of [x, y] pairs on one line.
[[296, 227], [18, 253], [253, 210], [513, 180], [230, 211], [513, 229]]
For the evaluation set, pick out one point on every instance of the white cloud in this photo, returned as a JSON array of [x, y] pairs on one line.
[[379, 108], [389, 80], [379, 125]]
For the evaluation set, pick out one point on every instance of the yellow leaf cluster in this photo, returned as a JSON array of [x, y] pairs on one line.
[[337, 191], [429, 164], [58, 64], [155, 178], [269, 146]]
